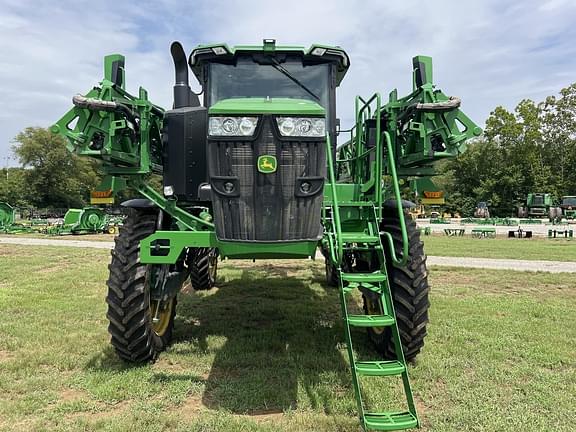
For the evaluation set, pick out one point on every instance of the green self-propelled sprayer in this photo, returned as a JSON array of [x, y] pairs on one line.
[[255, 172]]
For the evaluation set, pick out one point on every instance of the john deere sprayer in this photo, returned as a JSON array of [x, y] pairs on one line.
[[254, 172]]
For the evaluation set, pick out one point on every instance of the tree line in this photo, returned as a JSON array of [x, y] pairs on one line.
[[49, 176], [532, 149]]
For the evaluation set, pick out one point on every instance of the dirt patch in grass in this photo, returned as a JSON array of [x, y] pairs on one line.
[[69, 395], [265, 415], [421, 409], [101, 411], [190, 408], [9, 250], [6, 356], [49, 270]]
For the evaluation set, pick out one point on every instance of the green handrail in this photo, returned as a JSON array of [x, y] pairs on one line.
[[378, 164], [335, 209], [398, 262]]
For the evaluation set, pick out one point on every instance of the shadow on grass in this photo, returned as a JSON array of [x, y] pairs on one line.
[[281, 342], [108, 360]]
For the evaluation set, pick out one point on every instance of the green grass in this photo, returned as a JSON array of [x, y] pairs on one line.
[[84, 237], [525, 249], [264, 352]]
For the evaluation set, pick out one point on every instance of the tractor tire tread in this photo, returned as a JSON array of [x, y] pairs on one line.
[[200, 270], [409, 289], [129, 326]]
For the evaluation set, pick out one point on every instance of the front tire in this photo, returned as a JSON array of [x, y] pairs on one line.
[[140, 327], [409, 288], [203, 264]]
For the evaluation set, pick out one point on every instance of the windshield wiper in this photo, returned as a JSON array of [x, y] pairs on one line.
[[276, 65]]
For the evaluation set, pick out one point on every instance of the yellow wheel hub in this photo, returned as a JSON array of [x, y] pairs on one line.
[[160, 318]]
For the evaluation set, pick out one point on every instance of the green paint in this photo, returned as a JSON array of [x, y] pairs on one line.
[[178, 240], [267, 164], [341, 58], [420, 129], [7, 215], [280, 106]]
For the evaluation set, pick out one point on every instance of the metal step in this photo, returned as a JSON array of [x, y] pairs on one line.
[[379, 368], [359, 237], [355, 204], [390, 421], [371, 320], [364, 277], [352, 286]]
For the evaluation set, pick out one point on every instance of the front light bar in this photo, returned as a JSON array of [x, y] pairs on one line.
[[302, 126], [312, 127], [232, 126]]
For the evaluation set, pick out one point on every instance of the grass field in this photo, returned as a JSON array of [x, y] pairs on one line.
[[527, 249], [87, 237], [264, 352], [439, 245]]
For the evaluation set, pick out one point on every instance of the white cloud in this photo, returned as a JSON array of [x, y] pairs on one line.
[[486, 51]]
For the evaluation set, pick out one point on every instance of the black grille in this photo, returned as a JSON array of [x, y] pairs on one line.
[[267, 207]]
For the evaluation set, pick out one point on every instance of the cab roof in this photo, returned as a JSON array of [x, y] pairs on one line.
[[317, 53]]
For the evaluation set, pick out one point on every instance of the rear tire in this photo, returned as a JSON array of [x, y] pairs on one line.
[[409, 288], [332, 276], [522, 212], [203, 264], [135, 337]]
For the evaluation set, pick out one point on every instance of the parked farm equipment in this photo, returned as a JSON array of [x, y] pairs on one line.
[[482, 210], [568, 207], [9, 224], [7, 216], [89, 220], [255, 173], [540, 205]]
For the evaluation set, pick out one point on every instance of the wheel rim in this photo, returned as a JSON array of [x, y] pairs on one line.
[[373, 308], [163, 316], [160, 312], [212, 266]]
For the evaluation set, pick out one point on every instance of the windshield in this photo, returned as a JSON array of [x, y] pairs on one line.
[[250, 79], [569, 201]]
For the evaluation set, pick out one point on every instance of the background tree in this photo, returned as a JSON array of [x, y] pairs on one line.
[[54, 177], [13, 187], [532, 149]]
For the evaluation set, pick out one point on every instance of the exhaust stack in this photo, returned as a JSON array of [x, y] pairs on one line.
[[183, 96]]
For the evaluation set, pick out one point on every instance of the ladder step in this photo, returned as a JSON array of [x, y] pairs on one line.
[[370, 320], [390, 421], [355, 204], [359, 237], [379, 368], [351, 286], [364, 277]]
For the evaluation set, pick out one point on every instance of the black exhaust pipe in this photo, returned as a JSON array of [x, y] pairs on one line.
[[183, 96]]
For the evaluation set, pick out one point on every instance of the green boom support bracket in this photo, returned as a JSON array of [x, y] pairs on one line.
[[393, 142]]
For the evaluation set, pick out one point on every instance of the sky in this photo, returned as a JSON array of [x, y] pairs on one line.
[[487, 52]]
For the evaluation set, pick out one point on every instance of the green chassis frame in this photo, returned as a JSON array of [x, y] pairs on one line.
[[389, 145]]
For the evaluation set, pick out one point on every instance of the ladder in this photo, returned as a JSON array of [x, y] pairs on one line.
[[353, 226], [374, 284]]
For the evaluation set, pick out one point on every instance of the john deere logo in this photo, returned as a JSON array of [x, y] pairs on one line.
[[267, 164]]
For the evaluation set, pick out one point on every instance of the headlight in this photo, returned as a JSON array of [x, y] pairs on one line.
[[301, 126], [232, 126]]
